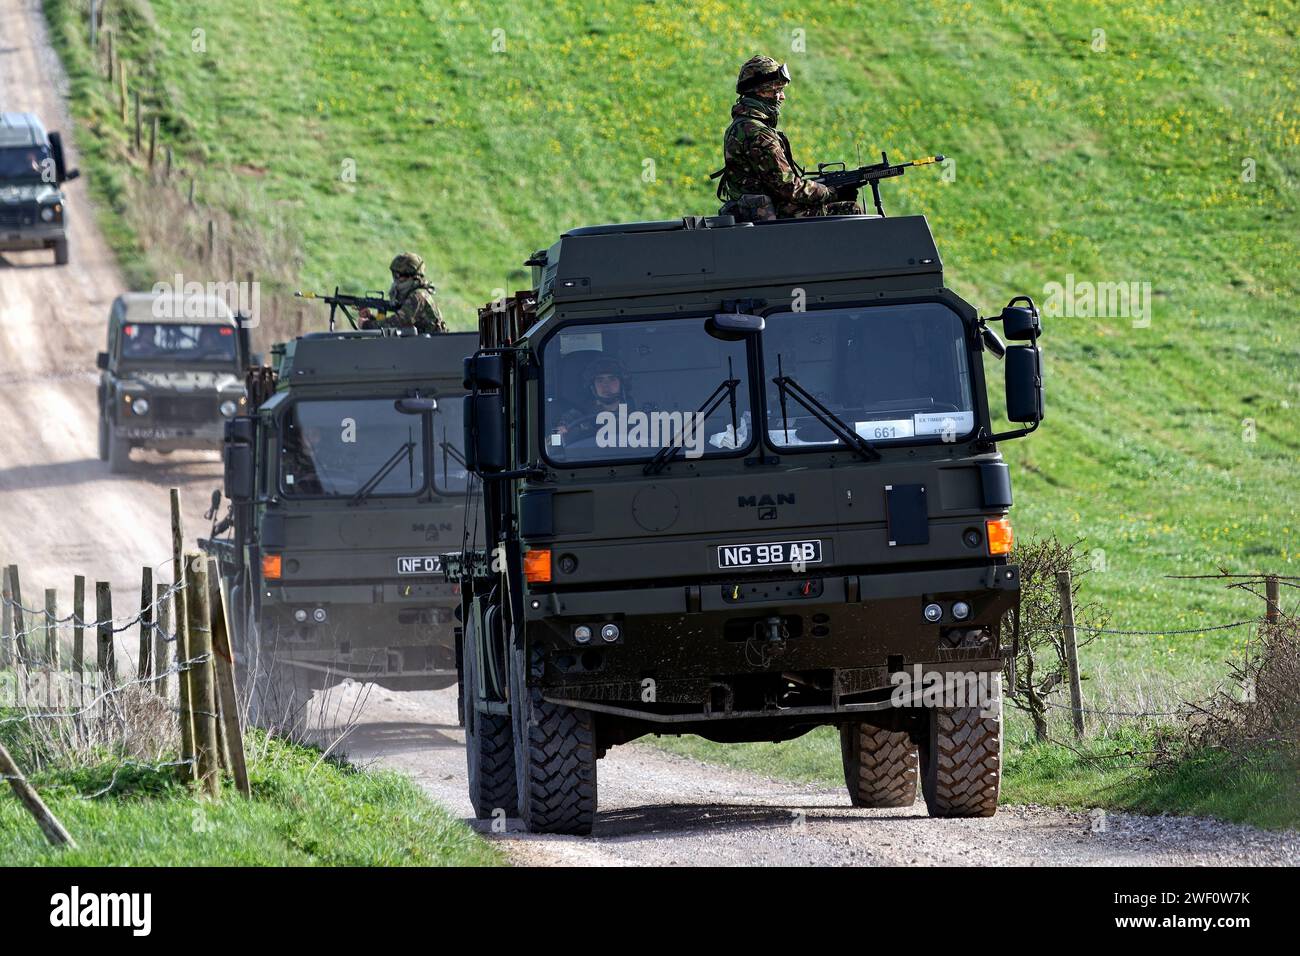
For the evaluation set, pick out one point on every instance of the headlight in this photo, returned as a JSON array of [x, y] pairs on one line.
[[319, 615], [140, 406], [47, 213], [228, 408], [582, 634], [960, 610], [933, 612], [300, 615]]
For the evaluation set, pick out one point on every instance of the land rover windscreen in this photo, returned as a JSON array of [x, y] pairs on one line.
[[889, 374]]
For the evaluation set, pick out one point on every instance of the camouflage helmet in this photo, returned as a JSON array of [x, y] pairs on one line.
[[758, 71], [406, 264]]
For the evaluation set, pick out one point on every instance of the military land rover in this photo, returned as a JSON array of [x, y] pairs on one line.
[[347, 479], [741, 480], [33, 207], [172, 376]]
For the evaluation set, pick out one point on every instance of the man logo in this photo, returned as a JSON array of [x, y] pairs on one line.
[[759, 501]]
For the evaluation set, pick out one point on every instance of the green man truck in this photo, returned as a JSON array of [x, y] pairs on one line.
[[741, 480], [346, 480]]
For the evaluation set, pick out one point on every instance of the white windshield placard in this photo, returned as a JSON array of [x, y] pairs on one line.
[[922, 423]]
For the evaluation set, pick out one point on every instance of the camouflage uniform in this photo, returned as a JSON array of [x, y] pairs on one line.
[[759, 164], [414, 297]]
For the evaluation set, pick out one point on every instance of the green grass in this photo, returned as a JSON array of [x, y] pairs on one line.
[[1115, 165], [303, 812]]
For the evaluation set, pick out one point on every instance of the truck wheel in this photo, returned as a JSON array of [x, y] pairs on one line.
[[961, 761], [103, 437], [489, 747], [879, 765], [61, 252], [555, 757], [119, 453]]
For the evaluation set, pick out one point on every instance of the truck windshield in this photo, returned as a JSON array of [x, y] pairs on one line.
[[24, 163], [621, 391], [153, 341], [893, 373], [333, 448], [450, 476]]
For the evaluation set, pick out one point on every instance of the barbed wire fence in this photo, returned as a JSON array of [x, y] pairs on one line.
[[179, 697]]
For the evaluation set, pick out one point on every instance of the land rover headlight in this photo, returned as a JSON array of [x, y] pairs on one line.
[[229, 407], [140, 406], [47, 213]]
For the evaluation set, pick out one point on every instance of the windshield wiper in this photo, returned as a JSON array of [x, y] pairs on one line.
[[406, 450], [707, 408], [787, 385]]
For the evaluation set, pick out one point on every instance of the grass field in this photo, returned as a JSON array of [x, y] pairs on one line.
[[1146, 142], [304, 812]]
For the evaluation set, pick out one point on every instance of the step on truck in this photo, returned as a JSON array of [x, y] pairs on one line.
[[346, 480], [741, 481]]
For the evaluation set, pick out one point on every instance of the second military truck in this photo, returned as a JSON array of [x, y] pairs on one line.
[[346, 480], [741, 480]]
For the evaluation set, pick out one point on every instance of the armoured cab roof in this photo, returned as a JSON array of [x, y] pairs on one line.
[[696, 254], [335, 358], [187, 309], [21, 129]]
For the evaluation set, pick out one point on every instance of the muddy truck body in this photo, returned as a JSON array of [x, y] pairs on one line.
[[346, 480], [741, 481]]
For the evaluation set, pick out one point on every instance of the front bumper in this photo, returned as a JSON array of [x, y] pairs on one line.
[[710, 652]]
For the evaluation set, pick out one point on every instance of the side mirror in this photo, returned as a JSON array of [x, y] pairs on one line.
[[485, 433], [1020, 324], [101, 361], [216, 498], [1024, 384], [734, 326], [416, 406], [56, 153], [993, 343], [71, 174], [239, 474]]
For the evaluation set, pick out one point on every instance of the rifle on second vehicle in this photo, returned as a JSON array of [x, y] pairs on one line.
[[376, 303], [866, 175]]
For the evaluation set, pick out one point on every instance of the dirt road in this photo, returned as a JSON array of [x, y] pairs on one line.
[[658, 809], [61, 512]]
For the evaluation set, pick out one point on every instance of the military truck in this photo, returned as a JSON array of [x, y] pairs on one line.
[[814, 534], [346, 478], [172, 376], [33, 207]]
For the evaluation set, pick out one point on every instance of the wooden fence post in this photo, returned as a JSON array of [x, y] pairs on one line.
[[20, 636], [203, 698], [227, 690], [1064, 586], [181, 617], [144, 662], [106, 654], [6, 620], [52, 695], [167, 168], [54, 830], [212, 243], [1272, 595], [79, 641], [121, 87], [161, 659], [109, 35], [153, 139], [135, 100]]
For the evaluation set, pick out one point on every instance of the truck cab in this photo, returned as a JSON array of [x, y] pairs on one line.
[[741, 480], [33, 206], [172, 375], [346, 479]]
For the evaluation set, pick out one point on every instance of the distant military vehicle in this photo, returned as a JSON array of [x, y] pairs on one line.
[[172, 376], [742, 481], [33, 207], [347, 480]]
